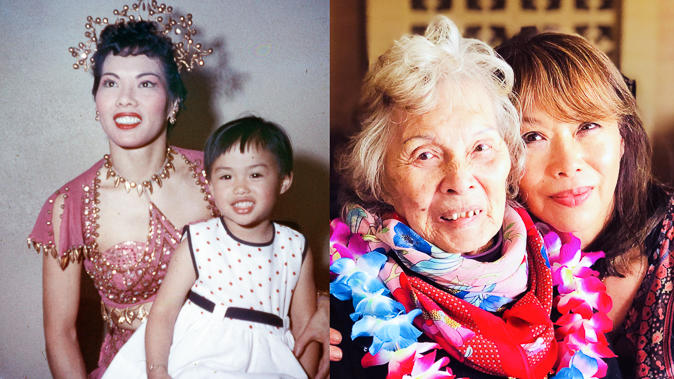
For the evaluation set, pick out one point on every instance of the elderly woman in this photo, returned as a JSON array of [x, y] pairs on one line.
[[433, 259], [588, 172]]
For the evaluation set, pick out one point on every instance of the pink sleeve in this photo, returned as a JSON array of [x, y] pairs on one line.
[[71, 234], [195, 156]]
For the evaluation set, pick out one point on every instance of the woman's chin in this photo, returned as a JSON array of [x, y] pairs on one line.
[[461, 242], [465, 236], [569, 222]]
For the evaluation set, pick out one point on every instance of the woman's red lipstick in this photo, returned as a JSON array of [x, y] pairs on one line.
[[127, 120], [573, 197]]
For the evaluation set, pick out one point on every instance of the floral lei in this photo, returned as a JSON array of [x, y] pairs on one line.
[[582, 303]]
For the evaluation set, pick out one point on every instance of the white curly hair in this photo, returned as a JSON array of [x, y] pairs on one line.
[[406, 78]]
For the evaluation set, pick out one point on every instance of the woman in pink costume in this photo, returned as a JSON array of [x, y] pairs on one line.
[[120, 219]]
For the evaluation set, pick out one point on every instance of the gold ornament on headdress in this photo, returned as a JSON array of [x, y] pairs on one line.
[[186, 52]]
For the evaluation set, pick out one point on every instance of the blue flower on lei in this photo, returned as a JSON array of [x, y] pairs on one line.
[[581, 366], [389, 333], [375, 304], [358, 278], [376, 314]]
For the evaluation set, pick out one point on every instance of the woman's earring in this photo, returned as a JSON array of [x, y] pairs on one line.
[[98, 116], [172, 116]]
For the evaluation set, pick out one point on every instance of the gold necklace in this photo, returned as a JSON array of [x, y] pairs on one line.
[[163, 174]]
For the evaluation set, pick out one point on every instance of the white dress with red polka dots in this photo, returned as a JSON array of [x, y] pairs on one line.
[[231, 273]]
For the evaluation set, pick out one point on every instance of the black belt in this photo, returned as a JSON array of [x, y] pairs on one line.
[[238, 313]]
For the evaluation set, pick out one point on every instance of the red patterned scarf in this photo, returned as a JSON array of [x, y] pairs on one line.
[[519, 343]]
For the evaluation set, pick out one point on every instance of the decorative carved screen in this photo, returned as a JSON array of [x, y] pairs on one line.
[[493, 21]]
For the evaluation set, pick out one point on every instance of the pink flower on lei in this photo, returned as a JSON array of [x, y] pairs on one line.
[[343, 243], [580, 289], [410, 362], [575, 353], [586, 337], [583, 304], [585, 329]]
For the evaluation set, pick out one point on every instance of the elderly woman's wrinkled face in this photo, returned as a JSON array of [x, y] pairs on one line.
[[445, 171]]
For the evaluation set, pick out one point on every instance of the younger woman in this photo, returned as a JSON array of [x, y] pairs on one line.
[[243, 275], [120, 220], [588, 172]]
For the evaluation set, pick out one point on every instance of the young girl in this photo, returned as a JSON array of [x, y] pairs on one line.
[[242, 274]]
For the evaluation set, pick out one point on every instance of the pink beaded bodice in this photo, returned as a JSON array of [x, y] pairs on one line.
[[132, 271]]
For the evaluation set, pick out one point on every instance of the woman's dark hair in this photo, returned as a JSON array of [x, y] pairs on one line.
[[248, 132], [139, 38], [570, 79]]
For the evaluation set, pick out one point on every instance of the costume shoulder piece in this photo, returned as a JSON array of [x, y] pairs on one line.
[[195, 156], [75, 195], [195, 159], [71, 232]]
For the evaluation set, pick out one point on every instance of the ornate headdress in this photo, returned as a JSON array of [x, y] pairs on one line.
[[179, 28]]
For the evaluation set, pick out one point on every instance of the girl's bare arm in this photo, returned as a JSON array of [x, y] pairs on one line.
[[180, 277], [302, 307]]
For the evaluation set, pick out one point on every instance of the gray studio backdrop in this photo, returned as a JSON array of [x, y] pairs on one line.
[[271, 60]]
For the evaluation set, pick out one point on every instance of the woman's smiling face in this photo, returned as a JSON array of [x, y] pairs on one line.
[[571, 171], [132, 100], [445, 171]]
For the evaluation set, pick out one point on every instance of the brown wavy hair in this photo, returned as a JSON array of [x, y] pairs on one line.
[[570, 79]]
